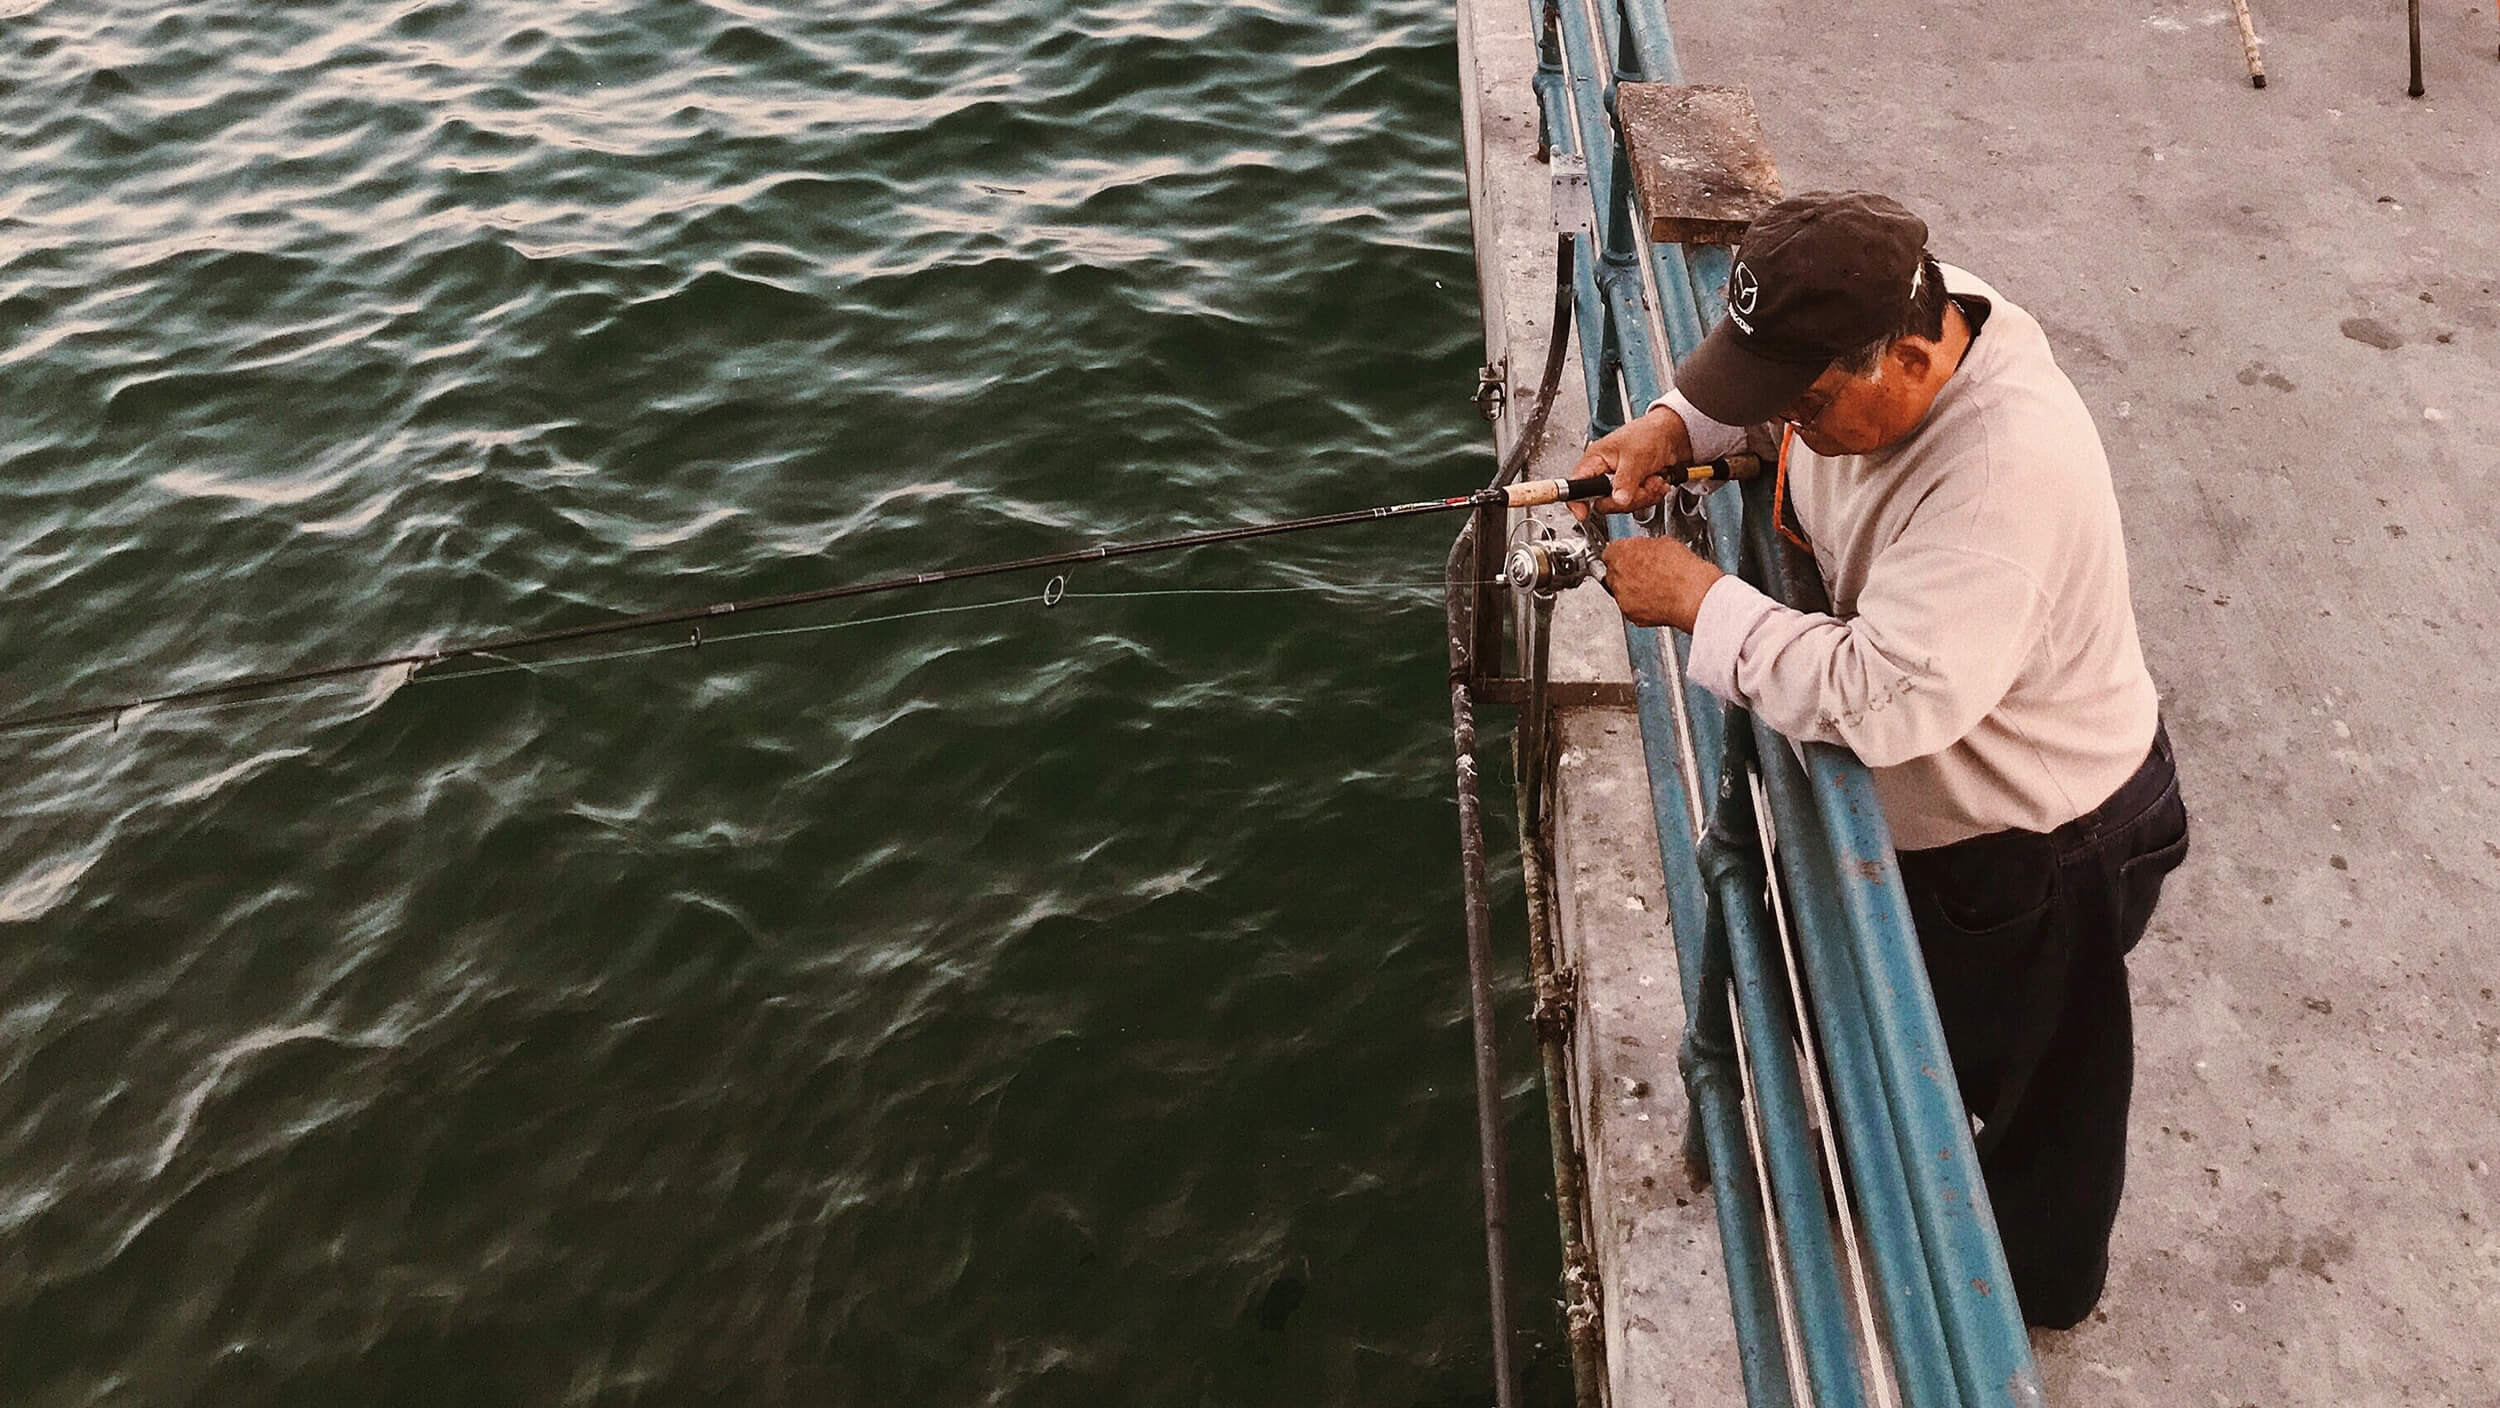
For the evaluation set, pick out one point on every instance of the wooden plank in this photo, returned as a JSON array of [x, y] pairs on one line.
[[1699, 161]]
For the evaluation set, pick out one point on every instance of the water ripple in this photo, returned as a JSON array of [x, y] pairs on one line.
[[988, 1006]]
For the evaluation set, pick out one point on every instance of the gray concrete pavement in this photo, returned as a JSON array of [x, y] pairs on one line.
[[2284, 308]]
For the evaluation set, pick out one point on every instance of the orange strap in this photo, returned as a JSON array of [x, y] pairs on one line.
[[1779, 496]]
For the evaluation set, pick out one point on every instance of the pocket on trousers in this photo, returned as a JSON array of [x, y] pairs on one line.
[[1981, 940], [1995, 891], [2139, 889], [1991, 919]]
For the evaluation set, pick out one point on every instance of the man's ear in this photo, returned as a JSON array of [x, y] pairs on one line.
[[1913, 356]]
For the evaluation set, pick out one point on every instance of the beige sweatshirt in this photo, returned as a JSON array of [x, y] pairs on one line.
[[1981, 656]]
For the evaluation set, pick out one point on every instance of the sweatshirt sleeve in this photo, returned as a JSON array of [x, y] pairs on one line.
[[1940, 634], [1710, 439]]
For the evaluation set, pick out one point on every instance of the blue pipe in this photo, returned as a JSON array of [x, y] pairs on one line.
[[1652, 41], [1715, 1086], [1992, 1353], [1731, 860], [1708, 1059], [1870, 1144], [1949, 1197], [1624, 360], [1879, 1175]]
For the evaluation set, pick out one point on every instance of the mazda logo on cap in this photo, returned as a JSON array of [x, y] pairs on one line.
[[1748, 291], [1748, 288]]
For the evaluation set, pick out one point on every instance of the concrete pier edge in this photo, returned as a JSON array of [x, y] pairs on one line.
[[1668, 1336]]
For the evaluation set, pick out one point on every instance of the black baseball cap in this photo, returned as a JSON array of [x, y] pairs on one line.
[[1816, 276]]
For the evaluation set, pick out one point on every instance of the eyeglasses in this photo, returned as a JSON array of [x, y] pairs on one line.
[[1810, 406]]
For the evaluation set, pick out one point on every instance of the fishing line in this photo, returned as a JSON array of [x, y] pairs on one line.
[[1517, 495], [507, 666], [1052, 594], [1262, 591]]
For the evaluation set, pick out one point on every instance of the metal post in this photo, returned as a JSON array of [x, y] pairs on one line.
[[1485, 609], [1556, 1014], [1480, 992], [2413, 25], [1549, 76]]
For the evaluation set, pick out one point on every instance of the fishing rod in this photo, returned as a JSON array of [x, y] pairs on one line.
[[1527, 494]]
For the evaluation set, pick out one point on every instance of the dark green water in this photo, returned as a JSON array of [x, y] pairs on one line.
[[1000, 1006]]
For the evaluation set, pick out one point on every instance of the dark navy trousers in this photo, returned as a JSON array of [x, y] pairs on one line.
[[2026, 937]]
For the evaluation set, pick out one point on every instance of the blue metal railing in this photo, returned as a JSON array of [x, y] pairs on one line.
[[1951, 1335]]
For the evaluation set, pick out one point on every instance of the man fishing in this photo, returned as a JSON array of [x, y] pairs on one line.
[[1980, 657]]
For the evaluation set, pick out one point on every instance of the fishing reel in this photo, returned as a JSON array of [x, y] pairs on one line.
[[1547, 564]]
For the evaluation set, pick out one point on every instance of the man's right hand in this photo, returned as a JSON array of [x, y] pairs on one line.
[[1636, 456]]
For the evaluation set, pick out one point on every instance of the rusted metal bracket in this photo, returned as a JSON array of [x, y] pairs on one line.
[[1574, 211], [1584, 1316], [1493, 388], [1557, 1008]]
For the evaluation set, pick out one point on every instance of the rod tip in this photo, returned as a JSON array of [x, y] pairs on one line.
[[2257, 80]]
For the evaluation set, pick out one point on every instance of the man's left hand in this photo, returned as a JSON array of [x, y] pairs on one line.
[[1658, 581]]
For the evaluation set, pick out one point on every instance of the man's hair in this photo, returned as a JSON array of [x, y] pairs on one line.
[[1924, 318]]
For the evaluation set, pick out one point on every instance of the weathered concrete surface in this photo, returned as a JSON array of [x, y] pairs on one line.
[[2284, 308], [1668, 1333]]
